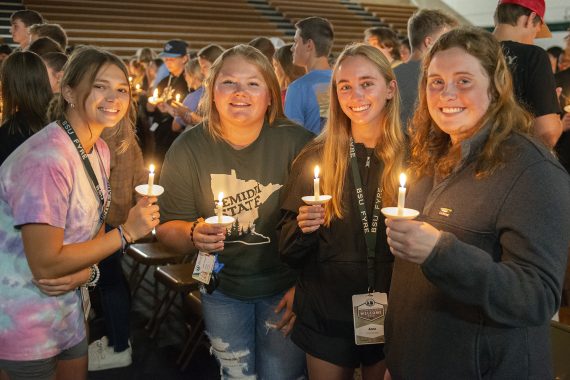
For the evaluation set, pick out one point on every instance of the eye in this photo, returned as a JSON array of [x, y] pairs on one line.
[[367, 84], [254, 84], [464, 81], [436, 84], [123, 90], [227, 82], [344, 87], [98, 86]]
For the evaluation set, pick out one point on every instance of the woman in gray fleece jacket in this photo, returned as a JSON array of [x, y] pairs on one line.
[[478, 275]]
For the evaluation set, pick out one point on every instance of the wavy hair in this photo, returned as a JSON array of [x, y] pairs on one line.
[[79, 73], [432, 152], [256, 58], [333, 143]]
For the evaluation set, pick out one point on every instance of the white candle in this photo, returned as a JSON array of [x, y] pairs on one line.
[[137, 87], [402, 194], [316, 184], [219, 210], [177, 98], [154, 98], [130, 79], [150, 179]]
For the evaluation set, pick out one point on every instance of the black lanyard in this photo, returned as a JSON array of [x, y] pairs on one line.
[[105, 204], [370, 230]]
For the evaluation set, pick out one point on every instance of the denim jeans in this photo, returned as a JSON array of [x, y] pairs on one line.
[[115, 300], [245, 341]]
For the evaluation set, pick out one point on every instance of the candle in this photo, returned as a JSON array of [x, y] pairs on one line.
[[402, 194], [177, 98], [130, 79], [316, 184], [154, 98], [219, 210], [150, 179], [138, 87]]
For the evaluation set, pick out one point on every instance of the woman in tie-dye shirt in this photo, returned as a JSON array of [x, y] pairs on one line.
[[50, 224]]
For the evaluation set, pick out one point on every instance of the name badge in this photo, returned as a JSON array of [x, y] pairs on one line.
[[369, 312], [204, 267]]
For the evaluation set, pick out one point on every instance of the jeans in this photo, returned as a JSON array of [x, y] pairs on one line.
[[115, 300], [245, 341]]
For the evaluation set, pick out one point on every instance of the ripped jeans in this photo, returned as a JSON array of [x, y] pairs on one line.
[[245, 341]]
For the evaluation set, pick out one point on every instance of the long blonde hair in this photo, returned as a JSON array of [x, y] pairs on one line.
[[333, 143], [432, 152]]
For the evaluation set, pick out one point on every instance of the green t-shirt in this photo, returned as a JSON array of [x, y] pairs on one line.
[[197, 168]]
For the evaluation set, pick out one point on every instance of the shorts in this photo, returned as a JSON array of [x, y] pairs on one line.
[[336, 350], [42, 369]]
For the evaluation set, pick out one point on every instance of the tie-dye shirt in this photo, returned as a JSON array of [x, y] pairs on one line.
[[43, 181]]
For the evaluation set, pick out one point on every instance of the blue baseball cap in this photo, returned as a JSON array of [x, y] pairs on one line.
[[174, 48]]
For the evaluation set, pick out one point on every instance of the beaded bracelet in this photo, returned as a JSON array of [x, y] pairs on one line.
[[94, 277]]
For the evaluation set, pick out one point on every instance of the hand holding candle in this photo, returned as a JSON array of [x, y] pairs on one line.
[[316, 184], [402, 194], [219, 210], [177, 98]]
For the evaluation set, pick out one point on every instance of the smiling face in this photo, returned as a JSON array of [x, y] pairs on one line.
[[241, 94], [108, 100], [457, 93], [362, 91]]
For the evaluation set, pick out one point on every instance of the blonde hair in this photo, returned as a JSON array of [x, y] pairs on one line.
[[432, 152], [333, 142], [256, 58], [79, 73]]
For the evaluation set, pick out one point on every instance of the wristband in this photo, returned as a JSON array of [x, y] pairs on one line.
[[124, 241], [124, 233], [94, 278]]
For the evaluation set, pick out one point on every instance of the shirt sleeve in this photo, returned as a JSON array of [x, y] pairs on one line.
[[40, 190], [541, 91], [522, 288]]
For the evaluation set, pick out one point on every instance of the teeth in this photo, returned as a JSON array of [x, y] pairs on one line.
[[361, 108], [451, 110], [240, 104], [114, 110]]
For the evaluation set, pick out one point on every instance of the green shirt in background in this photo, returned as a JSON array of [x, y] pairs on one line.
[[197, 168]]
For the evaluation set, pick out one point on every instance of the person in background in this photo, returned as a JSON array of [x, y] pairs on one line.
[[52, 221], [425, 26], [329, 244], [517, 24], [476, 281], [306, 101], [264, 45], [554, 53], [53, 31], [186, 113], [20, 22], [244, 152], [385, 40], [286, 71], [5, 51], [405, 50], [207, 56], [26, 93], [44, 45], [55, 62]]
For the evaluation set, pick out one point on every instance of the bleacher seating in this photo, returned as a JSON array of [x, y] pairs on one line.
[[126, 25]]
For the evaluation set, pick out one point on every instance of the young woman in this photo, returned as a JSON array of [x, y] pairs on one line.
[[243, 149], [478, 276], [285, 70], [26, 95], [329, 243], [54, 196]]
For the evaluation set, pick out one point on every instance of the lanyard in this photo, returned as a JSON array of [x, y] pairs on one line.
[[370, 230], [105, 204]]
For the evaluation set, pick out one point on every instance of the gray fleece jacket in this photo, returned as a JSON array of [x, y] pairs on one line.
[[479, 307]]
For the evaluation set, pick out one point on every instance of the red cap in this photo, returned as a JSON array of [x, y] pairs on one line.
[[538, 7]]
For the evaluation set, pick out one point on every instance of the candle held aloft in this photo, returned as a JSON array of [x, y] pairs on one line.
[[219, 210], [150, 179], [177, 98], [316, 184], [402, 194]]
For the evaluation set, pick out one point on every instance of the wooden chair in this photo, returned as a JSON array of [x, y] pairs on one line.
[[560, 343]]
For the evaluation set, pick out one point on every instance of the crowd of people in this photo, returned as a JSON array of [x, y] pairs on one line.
[[300, 287]]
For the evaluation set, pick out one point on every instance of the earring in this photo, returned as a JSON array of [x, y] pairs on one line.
[[72, 105]]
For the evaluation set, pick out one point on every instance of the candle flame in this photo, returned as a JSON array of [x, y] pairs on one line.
[[155, 93], [402, 180], [177, 97], [151, 168], [220, 197], [130, 79], [317, 170], [138, 86]]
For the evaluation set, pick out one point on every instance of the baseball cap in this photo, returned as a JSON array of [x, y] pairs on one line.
[[174, 48], [538, 7]]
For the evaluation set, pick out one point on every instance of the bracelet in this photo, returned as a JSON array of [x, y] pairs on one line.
[[94, 278], [124, 241], [194, 227], [124, 233]]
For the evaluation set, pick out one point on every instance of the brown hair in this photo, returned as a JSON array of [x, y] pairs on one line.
[[256, 58], [26, 90], [79, 74], [284, 57], [431, 152], [264, 45], [44, 45], [210, 53], [333, 142], [28, 17], [386, 37], [510, 14], [53, 31], [320, 31], [425, 23]]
